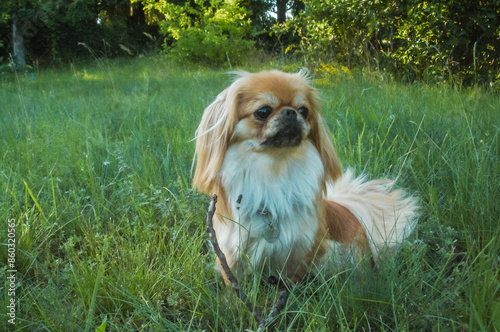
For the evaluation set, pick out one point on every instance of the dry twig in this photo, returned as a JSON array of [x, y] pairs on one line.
[[283, 296], [275, 311]]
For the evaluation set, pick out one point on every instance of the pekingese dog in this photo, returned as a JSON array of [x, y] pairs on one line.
[[285, 208]]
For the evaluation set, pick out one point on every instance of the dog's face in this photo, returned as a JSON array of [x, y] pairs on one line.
[[271, 112], [274, 110]]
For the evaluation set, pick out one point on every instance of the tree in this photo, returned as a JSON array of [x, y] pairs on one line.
[[106, 27], [212, 32], [18, 41], [283, 6], [20, 14], [281, 9]]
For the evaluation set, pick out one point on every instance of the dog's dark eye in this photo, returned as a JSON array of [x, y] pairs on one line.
[[263, 113], [304, 112]]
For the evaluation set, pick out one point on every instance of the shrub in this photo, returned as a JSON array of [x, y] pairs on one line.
[[208, 32], [431, 40]]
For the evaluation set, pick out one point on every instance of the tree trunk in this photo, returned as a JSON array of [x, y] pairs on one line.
[[18, 42], [281, 6]]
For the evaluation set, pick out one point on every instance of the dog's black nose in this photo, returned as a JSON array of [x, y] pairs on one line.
[[289, 113]]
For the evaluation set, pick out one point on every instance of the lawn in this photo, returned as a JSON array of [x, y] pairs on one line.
[[95, 172]]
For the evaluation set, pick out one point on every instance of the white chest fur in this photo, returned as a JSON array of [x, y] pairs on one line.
[[272, 199]]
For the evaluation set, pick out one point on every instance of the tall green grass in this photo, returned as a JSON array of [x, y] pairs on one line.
[[95, 167]]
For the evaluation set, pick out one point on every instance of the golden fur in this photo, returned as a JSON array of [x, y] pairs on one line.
[[232, 104], [263, 147]]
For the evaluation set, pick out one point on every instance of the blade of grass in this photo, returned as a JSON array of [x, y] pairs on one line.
[[100, 273], [35, 201]]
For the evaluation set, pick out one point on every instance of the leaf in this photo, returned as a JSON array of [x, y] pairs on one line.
[[102, 327], [126, 49]]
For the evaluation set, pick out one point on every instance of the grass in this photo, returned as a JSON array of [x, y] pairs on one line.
[[95, 168]]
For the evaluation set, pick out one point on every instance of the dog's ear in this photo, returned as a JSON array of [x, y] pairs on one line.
[[322, 139], [323, 142], [212, 138]]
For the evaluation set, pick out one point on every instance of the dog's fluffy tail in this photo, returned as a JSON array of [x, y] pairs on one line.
[[388, 216]]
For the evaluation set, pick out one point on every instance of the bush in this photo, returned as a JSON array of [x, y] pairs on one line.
[[211, 33], [431, 40]]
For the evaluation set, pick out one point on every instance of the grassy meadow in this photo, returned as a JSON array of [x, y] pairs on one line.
[[95, 163]]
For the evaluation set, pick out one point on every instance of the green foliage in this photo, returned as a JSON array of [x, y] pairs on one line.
[[455, 37], [5, 16], [431, 40], [95, 168], [58, 30], [211, 32]]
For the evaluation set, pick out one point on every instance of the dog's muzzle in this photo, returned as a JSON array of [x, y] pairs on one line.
[[290, 130]]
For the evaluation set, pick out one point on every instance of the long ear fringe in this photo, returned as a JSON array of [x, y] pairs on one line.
[[321, 137], [333, 169], [212, 137]]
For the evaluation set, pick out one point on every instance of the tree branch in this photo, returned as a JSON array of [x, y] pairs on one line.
[[223, 262], [283, 296], [276, 310]]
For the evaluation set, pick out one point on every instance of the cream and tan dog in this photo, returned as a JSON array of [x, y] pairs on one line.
[[285, 208]]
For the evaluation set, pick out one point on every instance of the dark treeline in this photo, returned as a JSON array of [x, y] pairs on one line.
[[436, 40], [65, 30]]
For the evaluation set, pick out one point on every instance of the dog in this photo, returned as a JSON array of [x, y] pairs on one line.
[[285, 206]]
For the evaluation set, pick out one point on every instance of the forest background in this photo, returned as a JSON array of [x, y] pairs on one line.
[[437, 40]]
